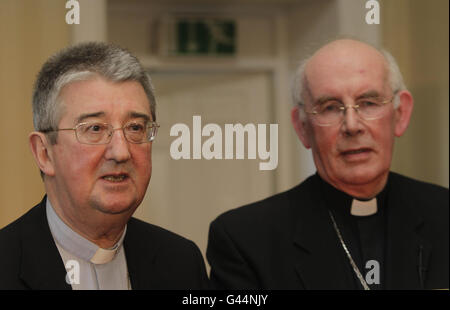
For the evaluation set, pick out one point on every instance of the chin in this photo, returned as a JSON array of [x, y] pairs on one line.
[[116, 206], [361, 176]]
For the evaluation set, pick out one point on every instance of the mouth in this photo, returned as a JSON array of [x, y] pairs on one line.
[[356, 154], [356, 151], [115, 178]]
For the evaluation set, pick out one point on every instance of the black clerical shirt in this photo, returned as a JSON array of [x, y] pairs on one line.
[[364, 236]]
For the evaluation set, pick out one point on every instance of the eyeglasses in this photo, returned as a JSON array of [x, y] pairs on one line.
[[101, 133], [332, 112]]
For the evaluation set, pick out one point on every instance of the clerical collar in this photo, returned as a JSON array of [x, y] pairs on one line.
[[79, 246], [341, 202]]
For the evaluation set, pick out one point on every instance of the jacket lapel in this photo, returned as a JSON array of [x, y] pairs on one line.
[[140, 255], [319, 260], [406, 249], [41, 264]]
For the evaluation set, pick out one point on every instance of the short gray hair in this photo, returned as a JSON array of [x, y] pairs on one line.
[[81, 62], [299, 85]]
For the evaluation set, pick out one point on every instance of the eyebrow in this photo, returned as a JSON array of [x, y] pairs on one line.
[[367, 94], [144, 116], [324, 99], [132, 114], [84, 116]]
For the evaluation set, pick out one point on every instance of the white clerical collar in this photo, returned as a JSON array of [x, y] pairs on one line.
[[76, 244], [364, 208], [103, 256]]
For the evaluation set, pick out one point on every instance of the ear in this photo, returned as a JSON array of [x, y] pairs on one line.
[[299, 126], [403, 112], [41, 150]]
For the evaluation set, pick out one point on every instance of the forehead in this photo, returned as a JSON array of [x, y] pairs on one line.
[[346, 68], [112, 100]]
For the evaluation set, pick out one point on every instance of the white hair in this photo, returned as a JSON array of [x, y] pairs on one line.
[[299, 85]]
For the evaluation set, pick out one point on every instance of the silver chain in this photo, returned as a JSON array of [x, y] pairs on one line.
[[352, 262]]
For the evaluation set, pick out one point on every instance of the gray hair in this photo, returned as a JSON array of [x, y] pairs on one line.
[[82, 62], [299, 85]]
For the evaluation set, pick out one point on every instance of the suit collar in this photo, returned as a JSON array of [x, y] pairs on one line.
[[42, 267], [405, 245], [320, 266], [318, 257], [140, 255], [41, 264]]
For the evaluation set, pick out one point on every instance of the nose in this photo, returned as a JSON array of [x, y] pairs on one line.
[[352, 123], [118, 148]]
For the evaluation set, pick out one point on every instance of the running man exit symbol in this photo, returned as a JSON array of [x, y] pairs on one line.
[[207, 36]]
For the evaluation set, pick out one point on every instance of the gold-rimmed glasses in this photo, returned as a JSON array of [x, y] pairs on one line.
[[331, 112], [101, 133]]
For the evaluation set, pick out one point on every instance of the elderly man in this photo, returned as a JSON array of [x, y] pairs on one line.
[[94, 115], [354, 224]]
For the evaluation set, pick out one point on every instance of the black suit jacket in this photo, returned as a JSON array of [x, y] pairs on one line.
[[156, 258], [287, 241]]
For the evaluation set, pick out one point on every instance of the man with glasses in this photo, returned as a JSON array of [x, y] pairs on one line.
[[354, 224], [95, 121]]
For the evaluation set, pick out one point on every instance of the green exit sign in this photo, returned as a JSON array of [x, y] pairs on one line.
[[203, 36]]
